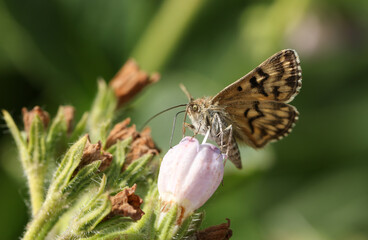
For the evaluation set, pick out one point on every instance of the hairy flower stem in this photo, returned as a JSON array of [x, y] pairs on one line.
[[46, 218], [32, 159], [35, 178]]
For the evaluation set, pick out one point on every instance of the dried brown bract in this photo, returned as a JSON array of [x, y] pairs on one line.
[[69, 117], [28, 117], [121, 131], [130, 80], [140, 146], [218, 232], [142, 143], [94, 152], [127, 204]]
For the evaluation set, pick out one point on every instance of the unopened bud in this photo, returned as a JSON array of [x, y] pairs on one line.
[[28, 117], [189, 174]]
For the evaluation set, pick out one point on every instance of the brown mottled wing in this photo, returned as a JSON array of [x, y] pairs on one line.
[[233, 152], [259, 122], [276, 79]]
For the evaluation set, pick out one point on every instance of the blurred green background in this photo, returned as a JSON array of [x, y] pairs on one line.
[[313, 185]]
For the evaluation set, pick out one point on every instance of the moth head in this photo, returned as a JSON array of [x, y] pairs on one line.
[[195, 109]]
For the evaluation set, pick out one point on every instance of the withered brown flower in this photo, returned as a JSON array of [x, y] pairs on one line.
[[142, 143], [69, 117], [130, 80], [28, 117], [121, 131], [217, 232], [94, 152], [126, 203]]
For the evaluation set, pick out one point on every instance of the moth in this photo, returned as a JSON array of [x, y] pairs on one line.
[[253, 110]]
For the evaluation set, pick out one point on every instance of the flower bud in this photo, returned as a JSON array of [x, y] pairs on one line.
[[190, 173], [28, 117]]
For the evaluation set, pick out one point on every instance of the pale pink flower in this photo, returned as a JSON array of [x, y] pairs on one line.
[[190, 173]]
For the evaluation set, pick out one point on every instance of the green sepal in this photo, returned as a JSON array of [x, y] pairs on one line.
[[126, 228], [167, 227], [102, 110], [116, 235], [119, 152], [190, 226], [57, 131], [104, 128], [67, 166], [90, 215], [36, 143], [134, 170], [18, 138], [37, 166], [80, 128], [84, 178]]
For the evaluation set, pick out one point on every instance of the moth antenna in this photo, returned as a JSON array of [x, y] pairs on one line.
[[157, 114], [173, 128], [184, 89], [185, 118]]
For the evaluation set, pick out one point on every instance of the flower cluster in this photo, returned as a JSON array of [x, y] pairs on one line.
[[95, 180]]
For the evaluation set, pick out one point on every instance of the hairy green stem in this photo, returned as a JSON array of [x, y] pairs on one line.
[[36, 177], [32, 159], [46, 218]]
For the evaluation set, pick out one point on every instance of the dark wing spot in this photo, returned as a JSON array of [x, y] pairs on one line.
[[276, 92], [260, 114], [240, 88], [246, 112], [253, 82], [291, 81], [262, 74]]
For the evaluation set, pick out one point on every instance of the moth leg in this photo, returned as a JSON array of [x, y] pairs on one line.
[[219, 127], [188, 125], [197, 130], [192, 128], [230, 129]]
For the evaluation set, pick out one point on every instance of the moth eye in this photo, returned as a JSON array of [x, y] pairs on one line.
[[195, 107]]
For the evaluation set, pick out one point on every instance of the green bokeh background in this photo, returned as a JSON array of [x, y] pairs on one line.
[[313, 185]]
